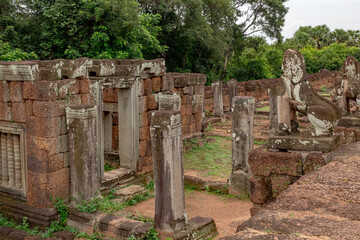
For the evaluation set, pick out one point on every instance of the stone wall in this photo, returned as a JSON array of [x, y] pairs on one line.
[[34, 96], [190, 87], [259, 88]]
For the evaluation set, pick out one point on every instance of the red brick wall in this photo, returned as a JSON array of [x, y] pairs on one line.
[[41, 106]]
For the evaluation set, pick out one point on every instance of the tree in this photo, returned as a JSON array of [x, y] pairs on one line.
[[91, 28]]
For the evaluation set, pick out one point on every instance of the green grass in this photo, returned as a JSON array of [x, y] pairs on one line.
[[213, 159], [263, 109], [259, 142]]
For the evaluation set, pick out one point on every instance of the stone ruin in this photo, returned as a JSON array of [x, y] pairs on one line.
[[294, 94], [291, 153], [60, 120], [347, 92]]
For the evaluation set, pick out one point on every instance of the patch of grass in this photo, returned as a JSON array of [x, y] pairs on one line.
[[212, 159], [263, 109], [259, 142], [105, 203], [108, 167], [322, 89], [209, 127]]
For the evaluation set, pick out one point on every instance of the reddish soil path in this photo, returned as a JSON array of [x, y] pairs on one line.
[[228, 213]]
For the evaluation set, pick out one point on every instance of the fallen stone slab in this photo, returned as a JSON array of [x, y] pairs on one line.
[[324, 204]]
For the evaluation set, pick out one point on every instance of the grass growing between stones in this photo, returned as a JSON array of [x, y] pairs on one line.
[[211, 157], [108, 205], [263, 109]]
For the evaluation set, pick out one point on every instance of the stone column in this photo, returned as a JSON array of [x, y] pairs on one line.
[[233, 90], [242, 143], [166, 140], [169, 101], [107, 131], [218, 100], [83, 152]]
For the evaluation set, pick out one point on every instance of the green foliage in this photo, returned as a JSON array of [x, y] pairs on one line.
[[62, 209], [149, 235], [105, 203], [8, 53], [90, 28]]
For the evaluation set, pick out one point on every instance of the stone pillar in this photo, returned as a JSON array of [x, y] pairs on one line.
[[273, 102], [218, 100], [107, 130], [169, 101], [83, 151], [233, 90], [166, 140], [242, 143]]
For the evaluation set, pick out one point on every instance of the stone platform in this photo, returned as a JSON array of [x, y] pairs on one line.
[[323, 204], [350, 121], [299, 142]]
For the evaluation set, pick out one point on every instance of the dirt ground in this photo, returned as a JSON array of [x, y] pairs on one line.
[[227, 212]]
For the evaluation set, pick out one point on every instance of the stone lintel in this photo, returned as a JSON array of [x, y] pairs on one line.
[[165, 118], [299, 143], [81, 111], [349, 121]]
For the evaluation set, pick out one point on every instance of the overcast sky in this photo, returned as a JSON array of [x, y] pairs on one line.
[[343, 14]]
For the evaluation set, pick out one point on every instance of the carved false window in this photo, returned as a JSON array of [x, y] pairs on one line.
[[12, 159]]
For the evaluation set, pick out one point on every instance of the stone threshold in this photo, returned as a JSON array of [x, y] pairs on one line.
[[118, 227], [201, 184]]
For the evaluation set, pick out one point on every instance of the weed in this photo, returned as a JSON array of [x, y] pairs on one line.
[[150, 235], [62, 209], [209, 127], [322, 89], [108, 167], [259, 142]]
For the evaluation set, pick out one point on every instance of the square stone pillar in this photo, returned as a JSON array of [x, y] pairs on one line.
[[83, 151], [242, 143], [166, 140], [233, 90], [169, 101], [218, 99]]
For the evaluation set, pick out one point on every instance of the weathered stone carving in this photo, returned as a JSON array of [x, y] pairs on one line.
[[347, 87], [296, 94]]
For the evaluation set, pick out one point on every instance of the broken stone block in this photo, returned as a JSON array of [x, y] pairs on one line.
[[239, 183]]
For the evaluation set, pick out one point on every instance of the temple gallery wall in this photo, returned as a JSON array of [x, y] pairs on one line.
[[61, 119]]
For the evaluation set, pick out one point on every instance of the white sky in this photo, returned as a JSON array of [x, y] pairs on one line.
[[335, 14]]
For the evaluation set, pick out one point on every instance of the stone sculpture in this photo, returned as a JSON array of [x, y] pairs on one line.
[[347, 87], [322, 113], [295, 94]]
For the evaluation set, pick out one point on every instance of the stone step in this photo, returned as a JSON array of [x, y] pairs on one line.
[[117, 177], [127, 193]]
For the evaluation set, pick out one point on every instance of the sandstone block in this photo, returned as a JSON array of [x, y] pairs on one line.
[[4, 91], [156, 84], [40, 90], [16, 92], [239, 183], [110, 95], [151, 102], [263, 163], [260, 189], [44, 127], [280, 182], [314, 161], [19, 113], [49, 108], [68, 87]]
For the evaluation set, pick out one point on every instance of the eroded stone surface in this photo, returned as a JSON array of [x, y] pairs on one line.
[[294, 93], [324, 204]]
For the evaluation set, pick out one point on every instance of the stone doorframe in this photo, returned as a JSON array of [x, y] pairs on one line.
[[128, 115]]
